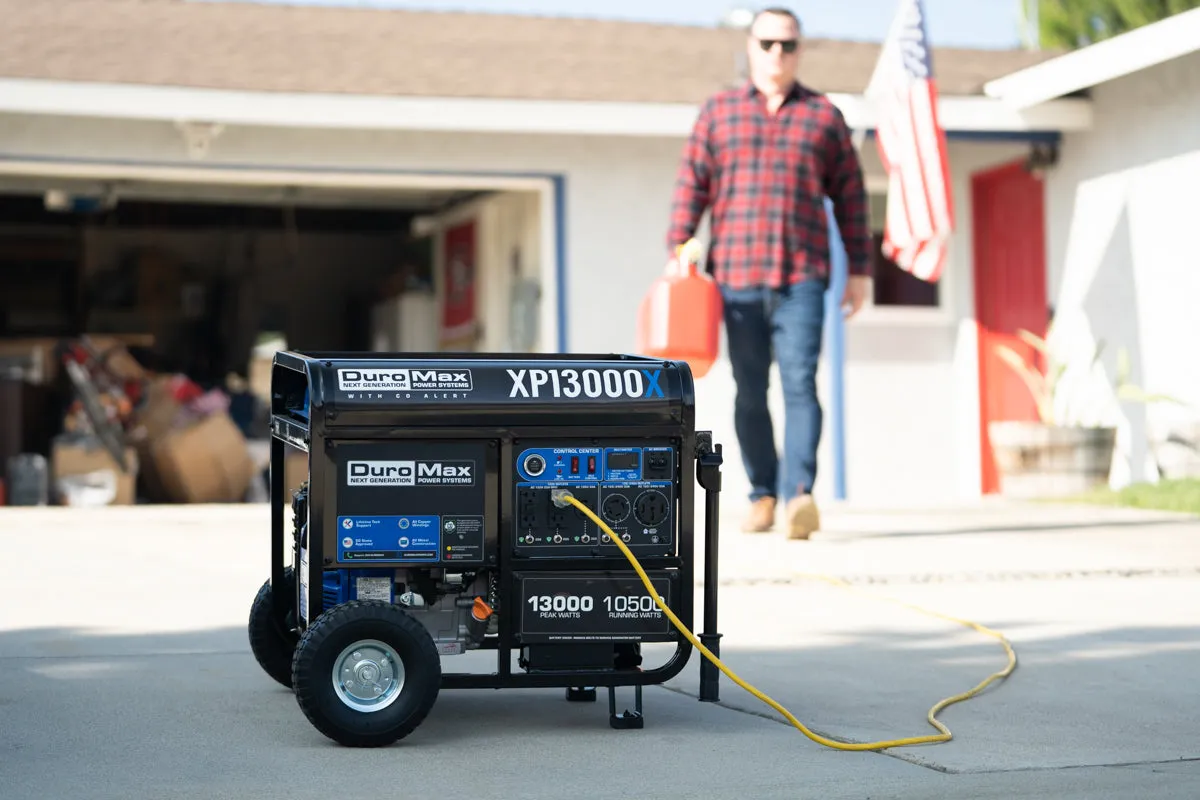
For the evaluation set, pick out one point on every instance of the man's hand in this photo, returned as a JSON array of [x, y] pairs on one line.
[[855, 294], [689, 252]]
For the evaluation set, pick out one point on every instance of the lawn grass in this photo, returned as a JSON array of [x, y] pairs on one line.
[[1176, 495]]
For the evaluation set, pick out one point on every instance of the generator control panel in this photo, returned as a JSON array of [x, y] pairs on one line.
[[630, 485]]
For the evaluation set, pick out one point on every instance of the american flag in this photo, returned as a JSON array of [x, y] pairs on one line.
[[912, 147]]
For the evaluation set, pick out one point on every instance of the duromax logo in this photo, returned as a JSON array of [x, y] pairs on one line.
[[404, 380], [410, 473]]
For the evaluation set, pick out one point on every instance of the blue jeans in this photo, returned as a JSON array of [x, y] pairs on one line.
[[784, 324]]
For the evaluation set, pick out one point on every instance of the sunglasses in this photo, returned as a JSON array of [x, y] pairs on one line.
[[788, 45]]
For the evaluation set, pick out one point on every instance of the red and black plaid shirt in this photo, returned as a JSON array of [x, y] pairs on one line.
[[764, 178]]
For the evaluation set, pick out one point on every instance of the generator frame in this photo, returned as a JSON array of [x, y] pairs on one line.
[[324, 418]]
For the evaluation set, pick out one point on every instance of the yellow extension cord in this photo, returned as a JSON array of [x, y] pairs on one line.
[[565, 496]]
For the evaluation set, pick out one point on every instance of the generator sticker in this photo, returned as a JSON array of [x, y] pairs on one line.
[[405, 380], [404, 537], [368, 588], [410, 473], [462, 538], [558, 608], [615, 384]]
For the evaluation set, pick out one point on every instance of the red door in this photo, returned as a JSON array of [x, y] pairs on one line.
[[459, 279], [1010, 292]]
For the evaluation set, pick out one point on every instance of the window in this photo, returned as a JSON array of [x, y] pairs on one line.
[[893, 286]]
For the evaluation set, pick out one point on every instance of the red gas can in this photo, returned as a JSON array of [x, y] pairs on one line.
[[680, 315]]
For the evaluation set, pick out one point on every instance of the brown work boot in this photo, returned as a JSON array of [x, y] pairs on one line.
[[761, 517], [802, 517]]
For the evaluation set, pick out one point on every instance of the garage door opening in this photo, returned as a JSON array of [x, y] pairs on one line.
[[184, 292]]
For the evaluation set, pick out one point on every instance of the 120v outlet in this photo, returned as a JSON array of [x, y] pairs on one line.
[[651, 508]]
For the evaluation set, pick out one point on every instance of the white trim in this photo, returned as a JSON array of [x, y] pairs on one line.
[[180, 105], [360, 112], [257, 176], [938, 316], [552, 290], [969, 113], [1112, 58]]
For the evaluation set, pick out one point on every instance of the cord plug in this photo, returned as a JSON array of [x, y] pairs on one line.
[[559, 497]]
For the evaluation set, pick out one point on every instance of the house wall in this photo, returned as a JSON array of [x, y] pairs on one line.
[[1124, 267], [508, 249], [911, 382]]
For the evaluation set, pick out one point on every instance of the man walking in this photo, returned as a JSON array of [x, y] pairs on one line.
[[762, 157]]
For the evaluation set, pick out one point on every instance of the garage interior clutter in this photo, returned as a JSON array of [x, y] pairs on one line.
[[136, 343]]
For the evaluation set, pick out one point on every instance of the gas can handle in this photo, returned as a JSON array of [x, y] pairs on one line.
[[687, 256]]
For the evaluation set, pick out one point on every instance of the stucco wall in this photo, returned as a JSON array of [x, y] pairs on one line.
[[1122, 213]]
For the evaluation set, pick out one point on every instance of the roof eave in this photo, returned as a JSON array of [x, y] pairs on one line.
[[1089, 66], [359, 112]]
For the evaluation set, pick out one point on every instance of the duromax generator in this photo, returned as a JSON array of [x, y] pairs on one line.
[[427, 528]]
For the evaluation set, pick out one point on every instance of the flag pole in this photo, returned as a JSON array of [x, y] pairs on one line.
[[835, 330]]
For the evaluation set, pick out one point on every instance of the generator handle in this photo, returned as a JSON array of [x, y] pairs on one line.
[[708, 474]]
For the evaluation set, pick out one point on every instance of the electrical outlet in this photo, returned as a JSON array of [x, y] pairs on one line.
[[528, 507], [651, 507]]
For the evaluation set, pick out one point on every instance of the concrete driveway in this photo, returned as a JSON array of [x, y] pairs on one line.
[[125, 672]]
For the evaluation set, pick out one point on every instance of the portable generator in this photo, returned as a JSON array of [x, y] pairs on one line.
[[432, 523]]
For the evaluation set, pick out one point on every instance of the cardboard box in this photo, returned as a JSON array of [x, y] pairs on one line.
[[206, 462], [295, 471], [189, 456], [95, 470]]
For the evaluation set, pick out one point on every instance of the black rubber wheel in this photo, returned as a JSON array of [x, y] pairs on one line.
[[272, 643], [374, 701]]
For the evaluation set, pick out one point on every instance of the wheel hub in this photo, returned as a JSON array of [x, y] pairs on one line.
[[368, 675]]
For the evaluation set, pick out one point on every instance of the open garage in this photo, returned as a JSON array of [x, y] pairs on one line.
[[172, 295]]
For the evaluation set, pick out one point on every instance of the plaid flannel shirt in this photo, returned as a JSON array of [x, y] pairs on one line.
[[764, 178]]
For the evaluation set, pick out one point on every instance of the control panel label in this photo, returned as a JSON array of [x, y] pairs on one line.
[[623, 464], [389, 538], [462, 538], [593, 607], [410, 473]]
